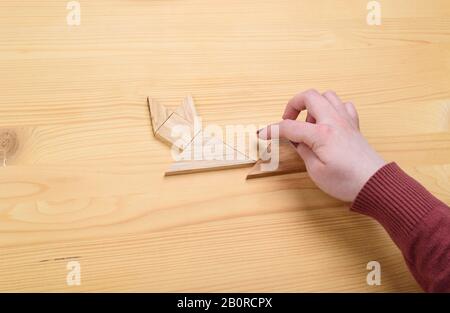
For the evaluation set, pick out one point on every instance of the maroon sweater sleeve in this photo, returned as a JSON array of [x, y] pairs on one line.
[[418, 223]]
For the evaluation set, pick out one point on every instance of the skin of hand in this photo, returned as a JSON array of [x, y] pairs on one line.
[[337, 156]]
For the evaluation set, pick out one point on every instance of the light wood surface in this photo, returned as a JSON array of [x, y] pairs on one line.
[[85, 180]]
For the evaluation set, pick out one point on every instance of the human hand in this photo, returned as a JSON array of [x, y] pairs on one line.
[[337, 156]]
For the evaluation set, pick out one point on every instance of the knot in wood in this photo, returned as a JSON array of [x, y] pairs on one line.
[[8, 142]]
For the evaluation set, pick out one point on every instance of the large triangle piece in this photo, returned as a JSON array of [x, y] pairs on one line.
[[208, 154]]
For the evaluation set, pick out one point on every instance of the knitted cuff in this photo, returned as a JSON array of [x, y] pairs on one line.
[[395, 200]]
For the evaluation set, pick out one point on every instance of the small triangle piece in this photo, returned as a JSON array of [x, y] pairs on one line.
[[158, 114]]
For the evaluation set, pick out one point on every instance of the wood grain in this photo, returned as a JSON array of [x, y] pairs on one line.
[[86, 181]]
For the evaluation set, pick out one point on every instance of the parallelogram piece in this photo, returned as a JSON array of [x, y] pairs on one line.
[[289, 162]]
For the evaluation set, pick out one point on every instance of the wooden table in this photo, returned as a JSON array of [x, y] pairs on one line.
[[86, 181]]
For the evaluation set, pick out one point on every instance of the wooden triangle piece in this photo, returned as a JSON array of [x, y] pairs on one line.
[[289, 162], [190, 167], [206, 154], [158, 114]]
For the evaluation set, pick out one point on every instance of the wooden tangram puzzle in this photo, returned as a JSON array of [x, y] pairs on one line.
[[189, 140]]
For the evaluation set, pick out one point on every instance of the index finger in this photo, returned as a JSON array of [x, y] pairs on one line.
[[312, 101]]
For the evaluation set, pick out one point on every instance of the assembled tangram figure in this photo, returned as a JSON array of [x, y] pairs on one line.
[[179, 130]]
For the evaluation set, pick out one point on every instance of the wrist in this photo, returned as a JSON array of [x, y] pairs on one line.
[[368, 170]]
